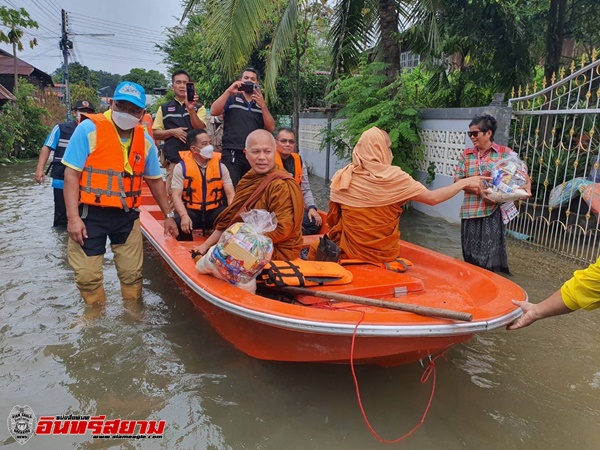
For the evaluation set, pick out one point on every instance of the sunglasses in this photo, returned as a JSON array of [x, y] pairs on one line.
[[287, 141], [475, 133]]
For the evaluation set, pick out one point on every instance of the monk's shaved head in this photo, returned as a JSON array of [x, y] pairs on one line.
[[260, 151]]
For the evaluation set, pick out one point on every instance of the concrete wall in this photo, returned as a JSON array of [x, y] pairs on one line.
[[443, 135], [320, 162]]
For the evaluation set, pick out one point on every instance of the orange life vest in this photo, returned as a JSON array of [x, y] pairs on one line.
[[297, 166], [201, 190], [104, 181], [147, 124]]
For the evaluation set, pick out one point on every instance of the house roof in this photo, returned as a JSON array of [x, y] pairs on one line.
[[5, 94], [7, 67]]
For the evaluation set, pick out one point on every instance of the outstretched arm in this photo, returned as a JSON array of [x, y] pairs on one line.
[[552, 306], [442, 194]]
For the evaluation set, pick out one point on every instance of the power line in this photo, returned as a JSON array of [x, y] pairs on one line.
[[127, 28]]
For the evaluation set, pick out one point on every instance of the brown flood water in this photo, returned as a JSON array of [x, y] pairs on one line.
[[537, 388]]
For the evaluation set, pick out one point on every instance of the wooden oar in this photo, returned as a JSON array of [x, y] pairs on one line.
[[416, 309]]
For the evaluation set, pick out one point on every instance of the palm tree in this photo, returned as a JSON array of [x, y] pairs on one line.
[[236, 27]]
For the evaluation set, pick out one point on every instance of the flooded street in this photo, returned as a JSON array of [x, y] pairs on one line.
[[537, 388]]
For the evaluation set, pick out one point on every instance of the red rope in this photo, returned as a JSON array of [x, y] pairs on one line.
[[430, 369]]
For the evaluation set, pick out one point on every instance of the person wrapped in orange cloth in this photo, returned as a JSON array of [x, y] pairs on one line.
[[367, 197], [265, 187]]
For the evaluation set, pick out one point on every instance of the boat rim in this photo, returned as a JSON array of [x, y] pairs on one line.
[[330, 328]]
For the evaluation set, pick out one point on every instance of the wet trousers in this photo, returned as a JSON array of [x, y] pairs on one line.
[[123, 230]]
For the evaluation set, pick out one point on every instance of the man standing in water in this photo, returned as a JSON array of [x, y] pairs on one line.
[[106, 160], [57, 141]]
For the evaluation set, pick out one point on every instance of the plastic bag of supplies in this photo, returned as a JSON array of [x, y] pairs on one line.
[[242, 250], [509, 175]]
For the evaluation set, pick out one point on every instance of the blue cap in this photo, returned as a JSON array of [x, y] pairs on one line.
[[131, 92]]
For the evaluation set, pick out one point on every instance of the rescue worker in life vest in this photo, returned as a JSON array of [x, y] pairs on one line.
[[57, 141], [290, 161], [106, 160], [201, 186]]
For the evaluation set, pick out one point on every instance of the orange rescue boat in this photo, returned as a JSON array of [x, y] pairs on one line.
[[313, 329]]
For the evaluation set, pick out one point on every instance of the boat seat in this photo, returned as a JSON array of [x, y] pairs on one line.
[[389, 284]]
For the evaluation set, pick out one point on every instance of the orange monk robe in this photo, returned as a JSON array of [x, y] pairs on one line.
[[282, 197], [368, 234]]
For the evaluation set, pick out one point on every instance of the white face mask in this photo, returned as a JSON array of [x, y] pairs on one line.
[[78, 116], [207, 152], [124, 121]]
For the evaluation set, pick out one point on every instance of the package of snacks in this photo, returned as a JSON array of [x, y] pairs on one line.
[[509, 175], [242, 250]]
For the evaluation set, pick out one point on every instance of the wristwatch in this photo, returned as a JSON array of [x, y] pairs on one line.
[[170, 215]]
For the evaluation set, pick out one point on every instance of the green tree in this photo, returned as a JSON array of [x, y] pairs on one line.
[[485, 48], [107, 82], [186, 48], [369, 100], [148, 79], [23, 131], [82, 92], [16, 20], [78, 74]]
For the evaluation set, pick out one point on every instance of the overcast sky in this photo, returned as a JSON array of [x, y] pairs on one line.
[[136, 25]]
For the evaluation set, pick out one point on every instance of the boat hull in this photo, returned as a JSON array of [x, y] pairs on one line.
[[319, 331]]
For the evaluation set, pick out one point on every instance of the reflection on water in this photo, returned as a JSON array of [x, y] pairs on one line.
[[161, 360]]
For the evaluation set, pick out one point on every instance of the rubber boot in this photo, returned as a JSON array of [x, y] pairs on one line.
[[95, 296], [131, 291]]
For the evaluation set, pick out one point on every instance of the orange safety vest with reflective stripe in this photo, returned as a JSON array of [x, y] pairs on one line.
[[201, 190], [104, 181], [297, 166]]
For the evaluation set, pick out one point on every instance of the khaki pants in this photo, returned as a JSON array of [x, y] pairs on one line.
[[89, 276], [169, 165]]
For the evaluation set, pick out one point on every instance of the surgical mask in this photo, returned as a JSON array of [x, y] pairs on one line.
[[78, 116], [124, 121], [207, 152]]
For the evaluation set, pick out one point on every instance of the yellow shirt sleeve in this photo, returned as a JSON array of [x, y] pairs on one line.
[[158, 120], [583, 290], [201, 113]]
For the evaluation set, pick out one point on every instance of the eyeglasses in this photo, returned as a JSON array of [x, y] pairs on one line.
[[287, 141], [129, 109], [475, 133]]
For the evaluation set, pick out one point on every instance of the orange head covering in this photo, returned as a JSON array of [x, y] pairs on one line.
[[370, 179]]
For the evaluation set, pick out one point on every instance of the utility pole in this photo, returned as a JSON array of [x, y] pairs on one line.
[[65, 45]]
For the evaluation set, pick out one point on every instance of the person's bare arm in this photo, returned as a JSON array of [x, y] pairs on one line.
[[178, 133], [218, 106], [267, 117], [229, 192], [42, 160], [442, 194], [75, 226], [552, 306], [159, 192]]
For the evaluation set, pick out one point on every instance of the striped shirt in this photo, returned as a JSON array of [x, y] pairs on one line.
[[470, 164]]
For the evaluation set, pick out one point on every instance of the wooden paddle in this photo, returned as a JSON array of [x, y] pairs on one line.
[[416, 309]]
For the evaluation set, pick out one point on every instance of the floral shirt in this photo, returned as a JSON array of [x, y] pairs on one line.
[[471, 164]]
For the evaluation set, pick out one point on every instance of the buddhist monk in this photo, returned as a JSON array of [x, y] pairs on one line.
[[281, 196], [367, 196]]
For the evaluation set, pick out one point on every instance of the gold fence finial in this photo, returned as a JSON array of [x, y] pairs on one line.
[[594, 54], [583, 60], [527, 89], [553, 78], [572, 66]]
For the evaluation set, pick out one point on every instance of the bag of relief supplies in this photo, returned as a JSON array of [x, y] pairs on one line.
[[509, 175], [242, 250]]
